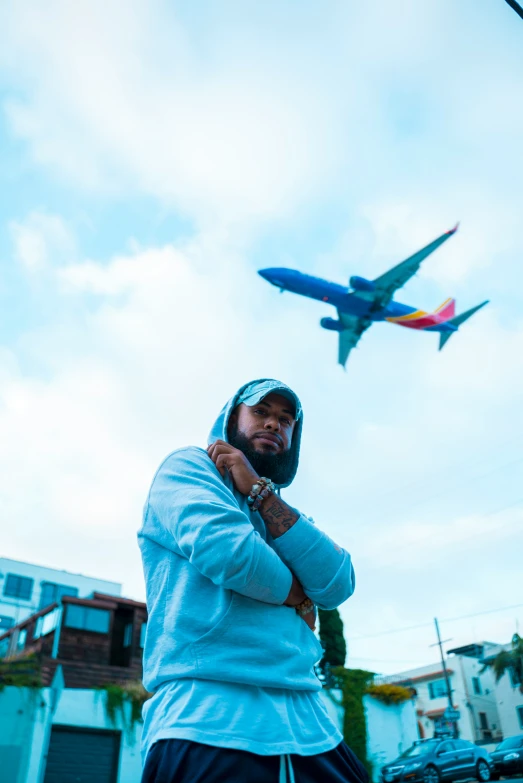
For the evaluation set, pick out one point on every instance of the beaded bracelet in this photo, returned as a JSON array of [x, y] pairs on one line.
[[259, 491], [305, 607]]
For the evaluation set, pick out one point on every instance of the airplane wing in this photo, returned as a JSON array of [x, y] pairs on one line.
[[349, 338], [388, 283]]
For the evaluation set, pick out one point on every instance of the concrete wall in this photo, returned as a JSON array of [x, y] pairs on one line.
[[25, 718], [390, 730], [85, 708], [332, 702]]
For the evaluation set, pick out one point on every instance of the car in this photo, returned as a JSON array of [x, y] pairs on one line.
[[508, 757], [439, 759]]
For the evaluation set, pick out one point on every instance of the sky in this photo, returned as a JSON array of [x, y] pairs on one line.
[[153, 156]]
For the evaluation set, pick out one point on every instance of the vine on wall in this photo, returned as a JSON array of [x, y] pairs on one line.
[[125, 701], [353, 684]]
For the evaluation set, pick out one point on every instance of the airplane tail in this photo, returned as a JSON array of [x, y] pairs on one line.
[[447, 310], [456, 322]]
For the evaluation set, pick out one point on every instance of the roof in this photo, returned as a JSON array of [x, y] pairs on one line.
[[475, 650], [426, 676], [97, 601], [61, 571]]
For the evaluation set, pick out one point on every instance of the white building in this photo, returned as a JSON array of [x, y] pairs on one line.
[[25, 588], [509, 698], [473, 695], [391, 729]]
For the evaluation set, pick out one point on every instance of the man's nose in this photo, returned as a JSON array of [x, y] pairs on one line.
[[272, 423]]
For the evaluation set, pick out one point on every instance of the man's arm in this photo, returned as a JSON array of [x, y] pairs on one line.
[[199, 518], [323, 568]]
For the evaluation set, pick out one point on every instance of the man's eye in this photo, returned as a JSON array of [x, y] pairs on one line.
[[287, 422], [259, 412]]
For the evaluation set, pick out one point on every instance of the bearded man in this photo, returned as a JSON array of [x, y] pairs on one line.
[[233, 577]]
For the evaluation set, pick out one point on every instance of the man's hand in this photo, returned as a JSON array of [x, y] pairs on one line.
[[295, 597], [227, 457]]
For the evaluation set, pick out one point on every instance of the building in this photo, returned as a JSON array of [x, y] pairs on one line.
[[473, 695], [26, 588], [508, 694], [72, 647]]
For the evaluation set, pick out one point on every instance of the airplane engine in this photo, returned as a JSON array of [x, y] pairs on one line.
[[361, 284], [332, 324]]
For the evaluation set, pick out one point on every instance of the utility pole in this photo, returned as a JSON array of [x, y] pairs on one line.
[[516, 7], [446, 675]]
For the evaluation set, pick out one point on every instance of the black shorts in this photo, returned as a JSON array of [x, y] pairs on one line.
[[183, 761]]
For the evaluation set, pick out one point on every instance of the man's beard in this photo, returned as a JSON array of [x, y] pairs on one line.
[[277, 467]]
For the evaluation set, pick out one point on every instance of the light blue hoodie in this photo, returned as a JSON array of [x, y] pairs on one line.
[[216, 583]]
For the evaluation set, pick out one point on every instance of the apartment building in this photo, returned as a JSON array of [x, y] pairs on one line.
[[26, 588], [73, 646], [509, 696], [473, 695]]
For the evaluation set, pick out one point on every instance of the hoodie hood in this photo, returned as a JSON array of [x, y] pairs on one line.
[[251, 394]]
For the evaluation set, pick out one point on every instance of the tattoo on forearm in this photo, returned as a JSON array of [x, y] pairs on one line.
[[278, 516]]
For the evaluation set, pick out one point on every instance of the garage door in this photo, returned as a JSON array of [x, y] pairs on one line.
[[82, 756]]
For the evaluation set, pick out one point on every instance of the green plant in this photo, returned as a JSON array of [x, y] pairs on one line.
[[353, 684], [125, 701], [509, 660], [332, 641], [390, 694], [21, 673]]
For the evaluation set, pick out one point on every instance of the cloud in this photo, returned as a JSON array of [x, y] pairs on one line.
[[224, 136], [363, 134], [415, 544], [40, 239]]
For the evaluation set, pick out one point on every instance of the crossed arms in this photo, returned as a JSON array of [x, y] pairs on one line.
[[202, 520]]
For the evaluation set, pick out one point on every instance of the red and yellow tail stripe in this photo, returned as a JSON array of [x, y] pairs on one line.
[[420, 319]]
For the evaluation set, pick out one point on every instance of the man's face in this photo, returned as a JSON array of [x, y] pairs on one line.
[[264, 433]]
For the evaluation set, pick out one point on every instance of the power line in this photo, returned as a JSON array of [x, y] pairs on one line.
[[452, 488], [450, 467], [516, 7], [492, 513], [425, 625]]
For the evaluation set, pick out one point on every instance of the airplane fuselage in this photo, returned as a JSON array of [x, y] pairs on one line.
[[356, 303]]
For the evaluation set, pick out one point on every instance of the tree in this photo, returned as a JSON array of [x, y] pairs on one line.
[[509, 661], [332, 641]]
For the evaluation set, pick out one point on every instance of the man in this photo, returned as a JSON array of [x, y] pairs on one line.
[[233, 575]]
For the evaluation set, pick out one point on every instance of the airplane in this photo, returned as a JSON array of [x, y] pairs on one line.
[[367, 301]]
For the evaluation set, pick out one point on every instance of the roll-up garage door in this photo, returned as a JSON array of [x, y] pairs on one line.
[[82, 756]]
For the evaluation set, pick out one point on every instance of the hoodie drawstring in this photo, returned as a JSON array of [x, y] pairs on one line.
[[286, 766]]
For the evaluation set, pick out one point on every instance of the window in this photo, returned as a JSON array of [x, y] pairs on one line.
[[51, 593], [5, 623], [437, 689], [476, 686], [128, 635], [22, 637], [4, 646], [46, 624], [86, 618], [18, 587], [513, 677], [483, 722], [519, 711], [445, 747], [143, 629]]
